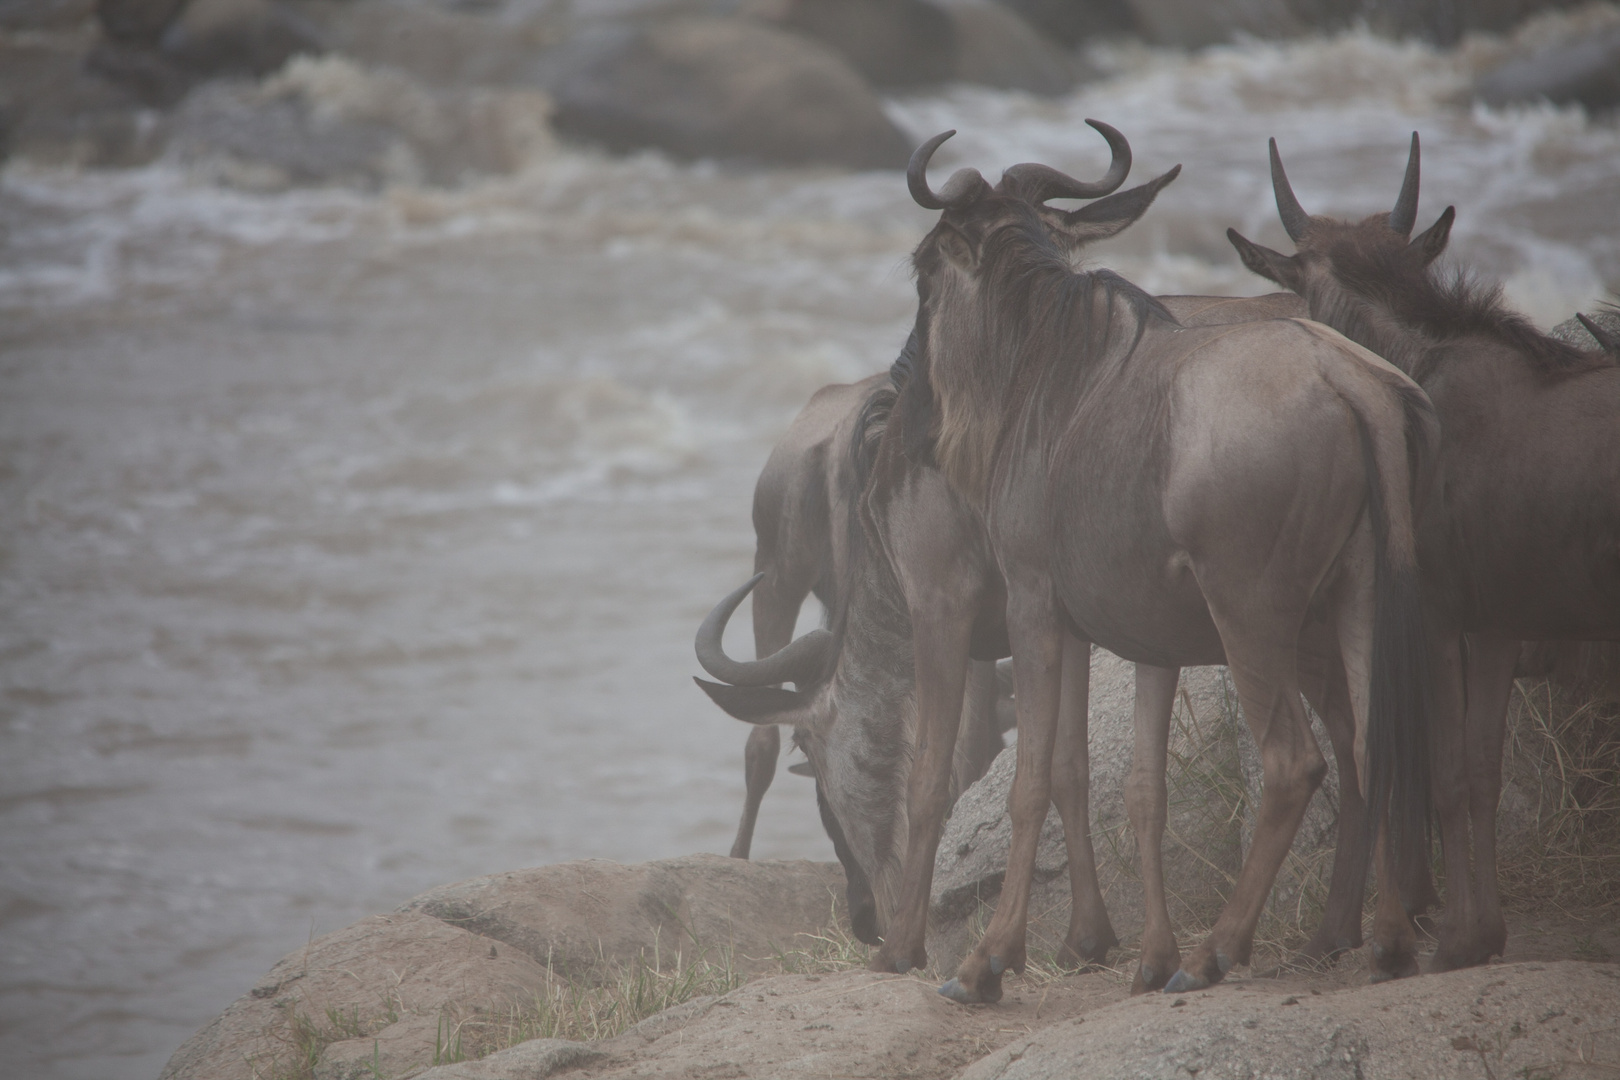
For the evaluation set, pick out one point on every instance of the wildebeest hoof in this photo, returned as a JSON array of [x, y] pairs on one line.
[[962, 994], [1181, 982], [902, 966], [1386, 966], [997, 965]]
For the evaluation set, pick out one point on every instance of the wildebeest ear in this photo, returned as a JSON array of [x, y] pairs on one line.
[[1273, 265], [756, 704], [1432, 241], [955, 247], [802, 768], [1108, 216]]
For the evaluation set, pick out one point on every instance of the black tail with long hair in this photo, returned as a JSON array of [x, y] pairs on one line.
[[1400, 702]]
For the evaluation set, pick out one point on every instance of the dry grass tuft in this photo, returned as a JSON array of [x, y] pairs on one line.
[[1563, 755]]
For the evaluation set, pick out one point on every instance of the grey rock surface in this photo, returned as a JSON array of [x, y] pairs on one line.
[[1583, 70], [532, 1060], [723, 88], [378, 996], [1510, 1020], [995, 47], [239, 37]]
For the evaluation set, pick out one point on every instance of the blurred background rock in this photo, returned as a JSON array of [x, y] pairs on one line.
[[109, 82]]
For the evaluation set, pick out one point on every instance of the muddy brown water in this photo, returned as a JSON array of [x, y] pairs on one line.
[[353, 542]]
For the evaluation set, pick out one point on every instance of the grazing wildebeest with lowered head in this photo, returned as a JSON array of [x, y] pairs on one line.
[[1521, 542]]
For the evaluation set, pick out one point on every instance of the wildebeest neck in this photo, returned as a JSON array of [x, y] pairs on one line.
[[1019, 321]]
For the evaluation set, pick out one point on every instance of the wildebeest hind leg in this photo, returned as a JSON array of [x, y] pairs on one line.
[[1265, 673]]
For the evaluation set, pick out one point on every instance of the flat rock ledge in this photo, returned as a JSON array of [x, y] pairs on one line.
[[397, 985]]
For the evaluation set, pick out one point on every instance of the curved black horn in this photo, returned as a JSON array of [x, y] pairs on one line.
[[1404, 216], [796, 662], [964, 187], [1610, 343], [1038, 183], [1294, 217]]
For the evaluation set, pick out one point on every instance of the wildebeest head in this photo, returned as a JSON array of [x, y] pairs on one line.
[[1374, 258], [1009, 234], [853, 713]]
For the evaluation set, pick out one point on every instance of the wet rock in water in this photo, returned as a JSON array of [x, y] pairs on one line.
[[330, 121], [723, 88], [1074, 21], [1213, 765], [1504, 1020], [1195, 23], [239, 37], [380, 996], [997, 48], [140, 21], [54, 110], [900, 43], [45, 14], [1583, 71], [890, 42]]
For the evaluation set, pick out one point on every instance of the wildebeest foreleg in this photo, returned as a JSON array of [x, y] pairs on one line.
[[1037, 641], [1090, 934], [940, 645], [1479, 932], [1146, 802]]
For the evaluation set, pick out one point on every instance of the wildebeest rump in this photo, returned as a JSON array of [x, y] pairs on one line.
[[1522, 541], [1178, 495]]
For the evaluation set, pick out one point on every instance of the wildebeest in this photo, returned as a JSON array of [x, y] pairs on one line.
[[1522, 539], [1179, 495], [801, 516], [1344, 585]]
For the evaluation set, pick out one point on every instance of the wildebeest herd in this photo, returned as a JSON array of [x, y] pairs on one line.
[[1368, 491]]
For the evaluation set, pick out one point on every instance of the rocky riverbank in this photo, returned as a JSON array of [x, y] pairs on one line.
[[466, 982]]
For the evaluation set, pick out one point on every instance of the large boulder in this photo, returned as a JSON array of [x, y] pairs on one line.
[[238, 37], [1074, 21], [994, 47], [1583, 70], [724, 88], [389, 995], [908, 43], [890, 42], [54, 109], [1214, 786]]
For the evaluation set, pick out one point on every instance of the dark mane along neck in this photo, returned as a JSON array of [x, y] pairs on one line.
[[1030, 313], [1410, 314]]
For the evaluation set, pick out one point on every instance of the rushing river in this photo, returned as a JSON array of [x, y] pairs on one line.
[[352, 543]]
